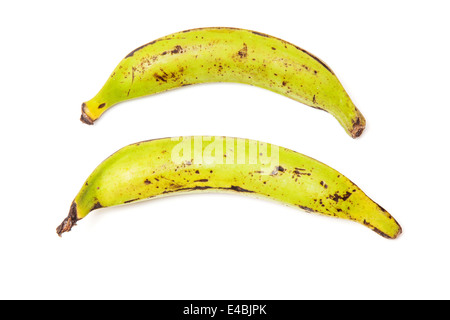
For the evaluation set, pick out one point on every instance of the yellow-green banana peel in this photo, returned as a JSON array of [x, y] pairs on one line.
[[226, 55], [219, 164]]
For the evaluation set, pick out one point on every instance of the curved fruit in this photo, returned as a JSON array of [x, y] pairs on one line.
[[172, 165], [226, 55]]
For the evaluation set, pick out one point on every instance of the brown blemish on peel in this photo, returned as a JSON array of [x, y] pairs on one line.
[[202, 180], [177, 49], [381, 233], [164, 76], [159, 77], [102, 105], [190, 189], [96, 206], [260, 34], [336, 197], [308, 209], [132, 200], [68, 222], [233, 188], [318, 108], [277, 169], [297, 172], [239, 189], [243, 52], [147, 182]]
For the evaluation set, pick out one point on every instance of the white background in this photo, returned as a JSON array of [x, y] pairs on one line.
[[391, 56]]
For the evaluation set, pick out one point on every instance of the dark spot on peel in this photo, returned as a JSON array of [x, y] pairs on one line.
[[177, 49], [102, 105], [336, 197], [190, 189], [160, 78], [297, 172], [381, 233], [308, 209], [277, 169], [147, 181], [202, 180], [260, 34], [243, 52], [96, 206], [239, 189], [132, 200]]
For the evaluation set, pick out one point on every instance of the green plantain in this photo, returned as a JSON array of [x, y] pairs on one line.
[[227, 55], [167, 166]]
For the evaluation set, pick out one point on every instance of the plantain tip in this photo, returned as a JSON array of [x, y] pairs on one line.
[[68, 222], [84, 117], [399, 231], [358, 129], [390, 235]]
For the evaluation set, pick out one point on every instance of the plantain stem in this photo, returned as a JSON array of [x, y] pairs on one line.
[[84, 117], [357, 130], [68, 222]]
